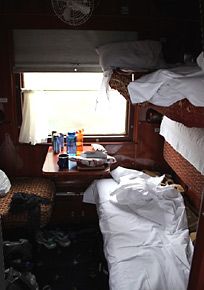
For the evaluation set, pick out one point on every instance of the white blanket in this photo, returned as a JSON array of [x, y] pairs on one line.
[[189, 142], [142, 254], [167, 86]]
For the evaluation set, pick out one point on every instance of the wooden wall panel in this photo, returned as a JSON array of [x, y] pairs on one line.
[[196, 279]]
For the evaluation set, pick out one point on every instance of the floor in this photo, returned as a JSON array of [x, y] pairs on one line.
[[79, 266]]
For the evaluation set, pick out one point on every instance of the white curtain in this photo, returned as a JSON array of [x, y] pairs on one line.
[[34, 128], [103, 96]]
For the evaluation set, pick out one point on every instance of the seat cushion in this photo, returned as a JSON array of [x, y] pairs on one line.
[[40, 187]]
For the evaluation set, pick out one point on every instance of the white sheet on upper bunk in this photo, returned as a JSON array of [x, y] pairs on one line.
[[167, 86], [142, 254], [189, 142]]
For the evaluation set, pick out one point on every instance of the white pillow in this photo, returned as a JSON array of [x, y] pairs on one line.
[[139, 197], [138, 191], [143, 54], [121, 172], [5, 184]]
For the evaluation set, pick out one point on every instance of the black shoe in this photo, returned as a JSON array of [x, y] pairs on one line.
[[61, 238], [20, 249], [16, 280], [46, 239]]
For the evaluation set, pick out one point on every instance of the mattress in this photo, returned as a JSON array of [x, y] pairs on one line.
[[189, 142], [146, 239]]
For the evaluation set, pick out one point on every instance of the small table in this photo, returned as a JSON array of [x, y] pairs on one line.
[[70, 184], [51, 168]]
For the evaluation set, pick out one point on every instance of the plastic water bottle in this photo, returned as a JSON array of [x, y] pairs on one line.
[[79, 141], [71, 143], [62, 141], [56, 143]]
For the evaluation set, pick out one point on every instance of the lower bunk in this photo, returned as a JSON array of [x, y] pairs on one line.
[[145, 231]]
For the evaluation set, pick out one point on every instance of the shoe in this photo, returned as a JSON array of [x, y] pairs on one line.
[[11, 275], [20, 249], [15, 243], [60, 238], [18, 281], [46, 239], [29, 280]]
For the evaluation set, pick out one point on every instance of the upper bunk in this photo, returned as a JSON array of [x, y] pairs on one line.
[[139, 71], [179, 98]]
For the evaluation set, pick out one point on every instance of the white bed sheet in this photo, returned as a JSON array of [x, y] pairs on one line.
[[167, 86], [189, 142], [141, 254]]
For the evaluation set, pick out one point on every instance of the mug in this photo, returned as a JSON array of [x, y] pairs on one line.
[[63, 161]]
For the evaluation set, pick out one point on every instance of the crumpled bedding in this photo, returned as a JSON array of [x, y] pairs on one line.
[[167, 86], [146, 244]]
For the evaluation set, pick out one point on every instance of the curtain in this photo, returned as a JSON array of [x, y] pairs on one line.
[[103, 96], [34, 128], [62, 49]]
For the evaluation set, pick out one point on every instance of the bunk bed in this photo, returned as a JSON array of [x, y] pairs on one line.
[[184, 111], [145, 231], [184, 151], [137, 69]]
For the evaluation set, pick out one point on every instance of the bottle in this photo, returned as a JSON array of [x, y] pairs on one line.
[[62, 141], [56, 143], [53, 133], [79, 141], [71, 143]]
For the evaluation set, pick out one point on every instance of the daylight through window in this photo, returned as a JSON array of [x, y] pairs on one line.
[[70, 101]]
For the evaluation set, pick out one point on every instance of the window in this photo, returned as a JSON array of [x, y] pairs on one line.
[[70, 101]]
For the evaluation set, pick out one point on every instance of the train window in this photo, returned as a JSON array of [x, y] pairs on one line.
[[70, 101]]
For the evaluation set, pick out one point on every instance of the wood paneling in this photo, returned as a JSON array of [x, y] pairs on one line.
[[196, 279], [149, 148], [70, 209]]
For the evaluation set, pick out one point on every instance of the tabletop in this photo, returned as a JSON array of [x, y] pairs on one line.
[[51, 168]]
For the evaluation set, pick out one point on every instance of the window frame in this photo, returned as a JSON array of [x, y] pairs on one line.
[[129, 122]]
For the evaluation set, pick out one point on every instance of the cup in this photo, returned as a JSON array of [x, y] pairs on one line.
[[63, 161]]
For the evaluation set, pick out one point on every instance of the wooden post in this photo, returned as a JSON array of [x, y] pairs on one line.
[[2, 279], [196, 279]]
